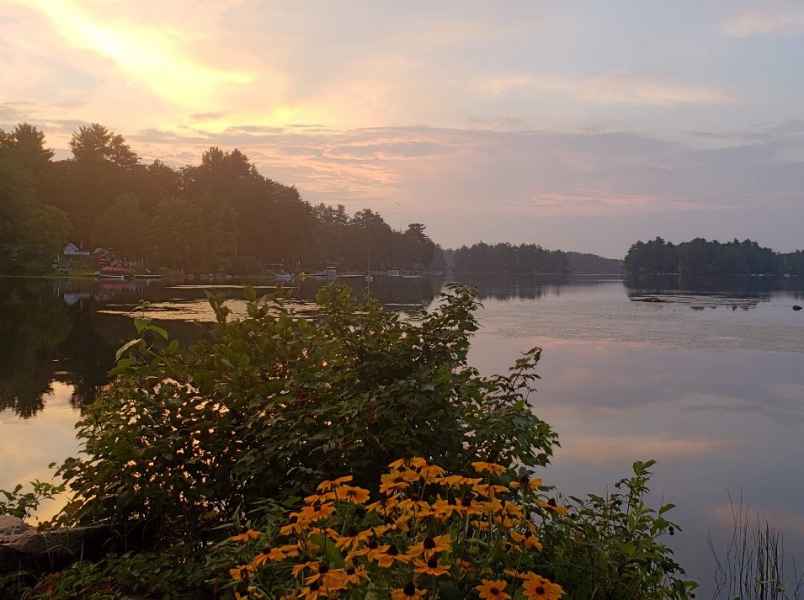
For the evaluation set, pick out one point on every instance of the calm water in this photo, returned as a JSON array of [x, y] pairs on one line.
[[711, 384]]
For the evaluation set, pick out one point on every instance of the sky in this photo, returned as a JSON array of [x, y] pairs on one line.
[[576, 125]]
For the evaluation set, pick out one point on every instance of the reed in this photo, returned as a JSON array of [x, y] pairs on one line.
[[753, 564]]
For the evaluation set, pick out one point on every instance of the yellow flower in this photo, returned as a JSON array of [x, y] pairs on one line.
[[386, 555], [301, 567], [430, 546], [328, 579], [260, 560], [316, 498], [398, 464], [551, 505], [481, 525], [355, 575], [537, 587], [534, 484], [353, 494], [409, 592], [528, 539], [313, 592], [493, 589], [431, 567], [431, 473], [487, 467], [240, 573], [454, 481], [397, 482], [246, 536], [353, 538], [526, 482], [488, 490], [444, 509], [327, 485], [418, 462]]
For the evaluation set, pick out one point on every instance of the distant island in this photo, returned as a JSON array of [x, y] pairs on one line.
[[527, 259], [701, 257]]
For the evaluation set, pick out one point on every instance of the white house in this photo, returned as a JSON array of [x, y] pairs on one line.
[[73, 250]]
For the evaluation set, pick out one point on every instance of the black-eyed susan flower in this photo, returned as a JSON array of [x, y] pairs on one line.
[[493, 589], [329, 579], [430, 546], [430, 567], [490, 490], [397, 482], [387, 557], [313, 592], [351, 493], [488, 467], [527, 539], [240, 573], [409, 592], [354, 575], [431, 473], [300, 568], [329, 485], [537, 587], [444, 509], [246, 536]]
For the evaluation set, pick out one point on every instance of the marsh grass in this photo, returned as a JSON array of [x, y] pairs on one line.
[[753, 564]]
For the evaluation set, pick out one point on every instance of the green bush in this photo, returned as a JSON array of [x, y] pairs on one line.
[[184, 441], [21, 504], [609, 547]]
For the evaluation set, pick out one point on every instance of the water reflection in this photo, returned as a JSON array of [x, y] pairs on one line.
[[48, 337], [67, 331]]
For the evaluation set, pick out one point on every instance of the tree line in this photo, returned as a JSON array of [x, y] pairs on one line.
[[700, 257], [220, 215], [527, 259]]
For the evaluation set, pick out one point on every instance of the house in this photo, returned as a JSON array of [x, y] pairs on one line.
[[71, 250]]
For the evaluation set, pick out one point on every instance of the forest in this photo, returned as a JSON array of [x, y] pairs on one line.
[[521, 259], [221, 215], [703, 257]]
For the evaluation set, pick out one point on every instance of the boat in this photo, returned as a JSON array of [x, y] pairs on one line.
[[113, 273], [283, 277]]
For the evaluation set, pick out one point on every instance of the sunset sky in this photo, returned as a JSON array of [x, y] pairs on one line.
[[577, 125]]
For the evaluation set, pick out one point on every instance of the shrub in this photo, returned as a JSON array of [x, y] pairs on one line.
[[186, 440], [21, 504], [609, 548]]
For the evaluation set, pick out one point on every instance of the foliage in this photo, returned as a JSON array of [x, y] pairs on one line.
[[505, 258], [187, 440], [219, 215], [609, 547], [169, 575], [31, 229], [702, 257], [24, 504], [429, 534], [584, 263]]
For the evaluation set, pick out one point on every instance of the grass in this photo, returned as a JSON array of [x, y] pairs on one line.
[[753, 564]]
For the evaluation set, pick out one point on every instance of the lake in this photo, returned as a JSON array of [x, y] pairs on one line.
[[708, 380]]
